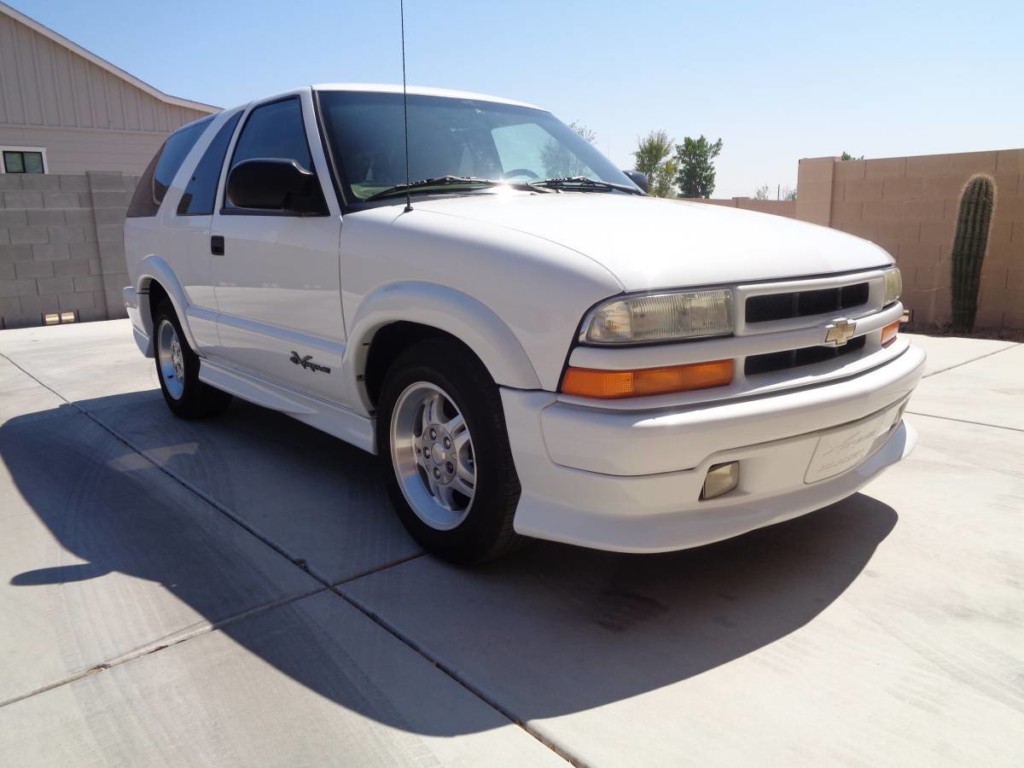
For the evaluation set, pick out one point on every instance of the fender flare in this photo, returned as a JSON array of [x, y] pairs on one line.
[[153, 268], [448, 310]]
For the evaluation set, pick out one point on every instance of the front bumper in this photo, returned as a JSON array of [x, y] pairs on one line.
[[631, 482]]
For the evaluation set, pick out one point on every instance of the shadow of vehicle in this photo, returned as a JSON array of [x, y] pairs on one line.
[[555, 629]]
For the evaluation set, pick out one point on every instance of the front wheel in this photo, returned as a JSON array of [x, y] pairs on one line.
[[447, 462]]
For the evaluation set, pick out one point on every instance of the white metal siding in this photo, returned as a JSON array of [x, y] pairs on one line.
[[45, 85], [77, 150]]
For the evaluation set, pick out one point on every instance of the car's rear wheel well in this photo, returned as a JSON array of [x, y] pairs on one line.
[[389, 342]]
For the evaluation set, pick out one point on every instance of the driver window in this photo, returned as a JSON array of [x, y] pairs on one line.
[[273, 131]]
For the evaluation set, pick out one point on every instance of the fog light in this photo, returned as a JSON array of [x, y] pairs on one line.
[[721, 479], [51, 318], [69, 317]]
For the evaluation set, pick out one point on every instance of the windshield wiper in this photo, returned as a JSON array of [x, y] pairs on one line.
[[440, 181], [584, 183]]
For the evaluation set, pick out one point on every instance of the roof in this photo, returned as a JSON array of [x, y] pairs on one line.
[[420, 91], [48, 33]]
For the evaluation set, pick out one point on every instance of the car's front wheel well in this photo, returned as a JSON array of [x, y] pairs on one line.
[[391, 341]]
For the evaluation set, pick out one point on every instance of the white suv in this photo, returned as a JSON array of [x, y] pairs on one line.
[[532, 345]]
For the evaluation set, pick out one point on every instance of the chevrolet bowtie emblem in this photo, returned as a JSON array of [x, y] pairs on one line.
[[840, 331]]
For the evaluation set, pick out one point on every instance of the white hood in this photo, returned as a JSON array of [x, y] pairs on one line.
[[652, 243]]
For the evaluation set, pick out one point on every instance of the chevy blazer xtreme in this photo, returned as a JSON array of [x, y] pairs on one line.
[[532, 345]]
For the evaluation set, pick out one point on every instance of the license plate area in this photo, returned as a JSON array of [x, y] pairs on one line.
[[845, 447]]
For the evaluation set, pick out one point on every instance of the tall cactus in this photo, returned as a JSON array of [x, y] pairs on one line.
[[969, 250]]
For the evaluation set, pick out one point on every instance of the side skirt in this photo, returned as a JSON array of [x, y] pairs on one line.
[[340, 422]]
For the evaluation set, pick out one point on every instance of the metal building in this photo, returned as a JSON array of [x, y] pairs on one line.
[[64, 110]]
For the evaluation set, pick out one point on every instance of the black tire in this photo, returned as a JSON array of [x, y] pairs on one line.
[[184, 393], [485, 532]]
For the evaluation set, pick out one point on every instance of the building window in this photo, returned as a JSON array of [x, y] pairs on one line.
[[23, 160]]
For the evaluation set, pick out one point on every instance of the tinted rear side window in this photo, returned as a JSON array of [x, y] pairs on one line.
[[158, 176], [202, 187], [143, 203]]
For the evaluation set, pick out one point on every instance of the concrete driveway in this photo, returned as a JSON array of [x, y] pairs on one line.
[[238, 592]]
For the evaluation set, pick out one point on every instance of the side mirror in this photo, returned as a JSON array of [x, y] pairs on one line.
[[275, 184], [640, 179]]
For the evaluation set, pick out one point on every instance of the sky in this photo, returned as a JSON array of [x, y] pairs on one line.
[[775, 81]]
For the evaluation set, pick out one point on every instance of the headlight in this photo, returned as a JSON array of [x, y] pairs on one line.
[[660, 317], [893, 286]]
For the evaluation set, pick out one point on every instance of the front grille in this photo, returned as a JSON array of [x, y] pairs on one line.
[[794, 358], [783, 306]]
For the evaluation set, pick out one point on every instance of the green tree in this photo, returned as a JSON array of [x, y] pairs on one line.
[[761, 193], [559, 162], [696, 158], [653, 156], [848, 156]]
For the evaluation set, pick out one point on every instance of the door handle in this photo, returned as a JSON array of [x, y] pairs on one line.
[[217, 245]]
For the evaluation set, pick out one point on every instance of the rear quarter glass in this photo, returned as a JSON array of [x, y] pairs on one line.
[[161, 171]]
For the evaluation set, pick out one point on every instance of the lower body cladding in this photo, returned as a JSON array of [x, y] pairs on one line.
[[582, 469]]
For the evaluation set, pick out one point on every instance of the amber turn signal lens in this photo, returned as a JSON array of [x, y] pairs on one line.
[[889, 333], [589, 382]]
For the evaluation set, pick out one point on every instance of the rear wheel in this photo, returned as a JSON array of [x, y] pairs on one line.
[[177, 367], [447, 462]]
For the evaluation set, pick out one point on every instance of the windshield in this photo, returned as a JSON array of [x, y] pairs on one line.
[[451, 137]]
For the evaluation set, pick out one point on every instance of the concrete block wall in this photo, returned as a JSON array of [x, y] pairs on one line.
[[909, 206], [62, 246], [814, 190], [785, 208]]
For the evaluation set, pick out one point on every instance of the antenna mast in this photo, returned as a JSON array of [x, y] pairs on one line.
[[405, 113]]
